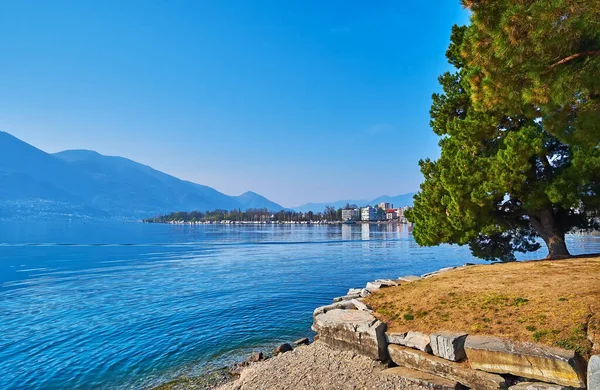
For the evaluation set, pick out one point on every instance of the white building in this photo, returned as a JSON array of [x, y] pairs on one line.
[[385, 205], [368, 214], [352, 215]]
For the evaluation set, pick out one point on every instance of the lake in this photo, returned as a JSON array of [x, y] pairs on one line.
[[130, 305]]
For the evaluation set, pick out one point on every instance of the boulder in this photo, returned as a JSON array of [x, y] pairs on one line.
[[417, 340], [424, 379], [434, 365], [348, 297], [448, 345], [302, 341], [352, 291], [395, 338], [526, 360], [283, 348], [364, 293], [380, 283], [388, 282], [409, 278], [537, 386], [361, 306], [352, 330], [338, 305], [593, 374], [256, 357]]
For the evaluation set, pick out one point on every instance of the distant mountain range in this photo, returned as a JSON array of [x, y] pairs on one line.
[[87, 184], [84, 183], [397, 201]]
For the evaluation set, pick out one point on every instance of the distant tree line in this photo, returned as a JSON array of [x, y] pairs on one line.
[[330, 214], [249, 215]]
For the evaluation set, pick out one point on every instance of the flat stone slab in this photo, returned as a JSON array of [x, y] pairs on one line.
[[409, 278], [417, 340], [395, 338], [526, 360], [348, 297], [460, 372], [352, 330], [537, 386], [439, 271], [364, 293], [448, 345], [388, 282], [347, 305], [424, 379], [361, 306], [594, 373]]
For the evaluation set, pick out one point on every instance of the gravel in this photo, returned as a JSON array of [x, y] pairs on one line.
[[317, 367]]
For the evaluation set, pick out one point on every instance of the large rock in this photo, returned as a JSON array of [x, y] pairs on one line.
[[361, 306], [352, 330], [352, 291], [537, 386], [302, 341], [409, 278], [547, 364], [338, 305], [364, 293], [593, 376], [448, 345], [395, 338], [348, 297], [283, 348], [380, 283], [388, 282], [434, 365], [418, 341], [424, 379]]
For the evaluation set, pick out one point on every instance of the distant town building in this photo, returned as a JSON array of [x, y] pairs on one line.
[[352, 214], [391, 214], [385, 205], [368, 214]]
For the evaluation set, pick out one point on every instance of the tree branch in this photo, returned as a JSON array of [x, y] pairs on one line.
[[574, 56]]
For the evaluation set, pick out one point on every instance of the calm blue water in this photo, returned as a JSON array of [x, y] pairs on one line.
[[111, 305]]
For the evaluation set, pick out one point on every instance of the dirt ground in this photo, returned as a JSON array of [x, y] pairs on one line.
[[550, 302]]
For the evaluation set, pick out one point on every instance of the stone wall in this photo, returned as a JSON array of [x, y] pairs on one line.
[[476, 362]]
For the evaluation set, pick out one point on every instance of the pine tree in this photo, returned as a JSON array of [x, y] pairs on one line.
[[502, 179]]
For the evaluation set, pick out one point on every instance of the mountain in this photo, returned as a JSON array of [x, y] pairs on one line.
[[126, 186], [252, 200], [398, 201], [85, 183]]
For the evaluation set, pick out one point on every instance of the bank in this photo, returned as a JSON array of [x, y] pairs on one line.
[[527, 325]]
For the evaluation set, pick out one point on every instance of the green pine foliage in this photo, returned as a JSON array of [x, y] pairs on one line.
[[505, 175]]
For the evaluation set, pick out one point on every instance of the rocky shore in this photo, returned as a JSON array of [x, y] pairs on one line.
[[354, 350]]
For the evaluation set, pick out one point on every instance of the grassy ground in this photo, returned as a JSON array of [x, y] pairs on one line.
[[550, 302]]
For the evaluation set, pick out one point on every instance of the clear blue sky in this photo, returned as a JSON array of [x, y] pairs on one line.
[[297, 100]]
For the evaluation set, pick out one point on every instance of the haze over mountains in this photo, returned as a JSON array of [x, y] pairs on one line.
[[84, 183]]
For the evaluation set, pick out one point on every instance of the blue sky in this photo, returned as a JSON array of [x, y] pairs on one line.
[[297, 100]]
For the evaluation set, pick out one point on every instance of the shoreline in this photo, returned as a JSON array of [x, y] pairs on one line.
[[337, 359]]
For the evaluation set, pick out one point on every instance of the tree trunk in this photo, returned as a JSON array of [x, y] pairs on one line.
[[546, 224]]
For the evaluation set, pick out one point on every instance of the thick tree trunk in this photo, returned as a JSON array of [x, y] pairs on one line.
[[547, 226]]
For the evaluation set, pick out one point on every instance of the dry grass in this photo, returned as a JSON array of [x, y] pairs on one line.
[[549, 302]]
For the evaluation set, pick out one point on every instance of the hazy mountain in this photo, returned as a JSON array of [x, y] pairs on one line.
[[252, 200], [86, 183], [126, 186], [398, 201]]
